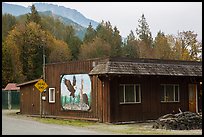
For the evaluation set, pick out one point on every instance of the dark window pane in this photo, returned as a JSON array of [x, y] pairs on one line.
[[170, 92], [137, 94], [129, 93], [176, 93]]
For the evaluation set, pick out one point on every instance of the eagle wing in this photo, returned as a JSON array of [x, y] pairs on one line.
[[69, 87]]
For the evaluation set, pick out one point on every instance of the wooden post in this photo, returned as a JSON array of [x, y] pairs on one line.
[[41, 105], [9, 99]]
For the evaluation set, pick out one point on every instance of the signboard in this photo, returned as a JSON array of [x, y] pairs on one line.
[[41, 85]]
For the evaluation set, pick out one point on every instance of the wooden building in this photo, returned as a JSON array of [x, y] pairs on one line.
[[116, 89], [29, 98]]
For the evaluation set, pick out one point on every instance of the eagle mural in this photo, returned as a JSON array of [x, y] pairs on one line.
[[75, 92]]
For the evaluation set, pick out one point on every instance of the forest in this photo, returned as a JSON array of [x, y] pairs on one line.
[[25, 39]]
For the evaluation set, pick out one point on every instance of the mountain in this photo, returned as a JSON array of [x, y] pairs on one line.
[[71, 14], [80, 30], [66, 21], [15, 10], [66, 14]]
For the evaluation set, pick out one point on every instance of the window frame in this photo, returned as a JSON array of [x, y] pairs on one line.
[[135, 97], [174, 93], [53, 94]]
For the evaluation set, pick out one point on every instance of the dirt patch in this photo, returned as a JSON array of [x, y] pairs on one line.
[[141, 129]]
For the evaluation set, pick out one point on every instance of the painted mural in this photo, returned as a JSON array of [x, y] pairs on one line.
[[75, 92]]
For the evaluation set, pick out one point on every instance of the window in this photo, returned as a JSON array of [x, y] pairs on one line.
[[169, 93], [129, 93], [51, 95]]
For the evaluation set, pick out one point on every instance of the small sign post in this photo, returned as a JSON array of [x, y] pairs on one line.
[[41, 86]]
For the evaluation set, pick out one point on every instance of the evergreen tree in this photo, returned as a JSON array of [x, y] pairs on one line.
[[130, 48], [73, 42], [143, 31], [105, 32], [7, 72], [116, 43], [33, 16], [32, 51], [90, 34], [8, 22]]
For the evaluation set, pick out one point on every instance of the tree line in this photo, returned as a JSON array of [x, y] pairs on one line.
[[27, 38]]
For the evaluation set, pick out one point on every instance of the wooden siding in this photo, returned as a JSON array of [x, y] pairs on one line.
[[150, 107], [105, 106], [53, 73], [29, 100]]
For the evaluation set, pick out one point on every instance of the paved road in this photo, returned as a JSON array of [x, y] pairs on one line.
[[12, 125]]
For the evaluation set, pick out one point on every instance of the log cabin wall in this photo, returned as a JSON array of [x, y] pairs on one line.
[[53, 73]]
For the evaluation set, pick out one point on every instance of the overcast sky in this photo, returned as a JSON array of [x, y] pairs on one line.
[[169, 17]]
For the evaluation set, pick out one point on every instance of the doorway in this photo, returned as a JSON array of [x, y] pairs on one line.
[[192, 92], [200, 97]]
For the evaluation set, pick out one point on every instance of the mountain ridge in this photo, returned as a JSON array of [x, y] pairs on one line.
[[72, 14], [69, 13], [79, 30]]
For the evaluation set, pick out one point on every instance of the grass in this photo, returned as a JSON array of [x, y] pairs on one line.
[[137, 129], [79, 123]]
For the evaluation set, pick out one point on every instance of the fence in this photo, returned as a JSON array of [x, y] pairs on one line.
[[10, 99]]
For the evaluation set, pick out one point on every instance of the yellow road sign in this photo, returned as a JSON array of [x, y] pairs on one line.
[[41, 85]]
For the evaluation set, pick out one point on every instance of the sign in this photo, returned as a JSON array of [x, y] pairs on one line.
[[41, 85]]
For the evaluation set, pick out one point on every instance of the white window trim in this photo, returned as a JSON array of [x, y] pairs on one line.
[[124, 85], [164, 93], [52, 101]]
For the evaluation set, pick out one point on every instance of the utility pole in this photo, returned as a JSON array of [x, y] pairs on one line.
[[44, 80], [41, 104]]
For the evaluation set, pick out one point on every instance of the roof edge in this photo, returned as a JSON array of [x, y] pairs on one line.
[[28, 82]]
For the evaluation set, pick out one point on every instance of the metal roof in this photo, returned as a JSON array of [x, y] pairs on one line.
[[11, 86]]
